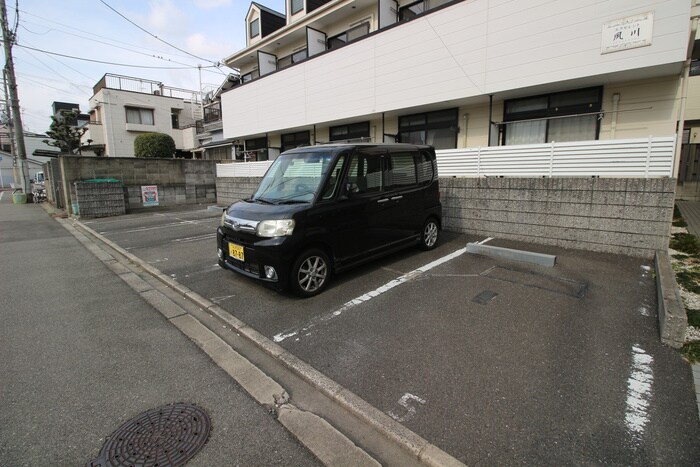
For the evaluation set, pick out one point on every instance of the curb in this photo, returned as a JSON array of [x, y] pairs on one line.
[[673, 319], [418, 447], [512, 255]]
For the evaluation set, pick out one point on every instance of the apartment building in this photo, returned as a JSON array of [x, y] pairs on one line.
[[461, 73], [124, 107]]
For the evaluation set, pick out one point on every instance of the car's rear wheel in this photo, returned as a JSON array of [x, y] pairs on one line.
[[311, 273], [429, 235]]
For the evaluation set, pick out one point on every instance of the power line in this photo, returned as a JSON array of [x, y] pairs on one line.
[[92, 34], [91, 39], [108, 44], [156, 37], [112, 63]]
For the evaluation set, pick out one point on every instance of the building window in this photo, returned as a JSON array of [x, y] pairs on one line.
[[348, 36], [256, 143], [212, 113], [414, 9], [297, 6], [255, 150], [438, 129], [561, 116], [139, 116], [294, 140], [175, 118], [349, 132], [411, 10], [254, 28], [296, 57], [695, 62], [255, 74]]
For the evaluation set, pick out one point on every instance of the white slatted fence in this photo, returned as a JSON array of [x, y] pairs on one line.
[[625, 158]]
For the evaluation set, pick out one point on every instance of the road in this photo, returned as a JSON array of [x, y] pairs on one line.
[[81, 353]]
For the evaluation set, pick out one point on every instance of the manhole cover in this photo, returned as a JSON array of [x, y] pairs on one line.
[[164, 437]]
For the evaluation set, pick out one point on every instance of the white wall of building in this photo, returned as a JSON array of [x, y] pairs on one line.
[[119, 136], [463, 52]]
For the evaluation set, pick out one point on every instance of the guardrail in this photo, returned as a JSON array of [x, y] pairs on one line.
[[623, 158]]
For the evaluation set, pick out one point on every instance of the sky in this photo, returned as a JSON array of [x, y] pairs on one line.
[[206, 31]]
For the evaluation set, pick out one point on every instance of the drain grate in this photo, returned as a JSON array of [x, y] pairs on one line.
[[167, 436], [484, 297]]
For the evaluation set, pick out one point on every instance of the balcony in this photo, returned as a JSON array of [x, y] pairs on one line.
[[318, 33], [144, 86]]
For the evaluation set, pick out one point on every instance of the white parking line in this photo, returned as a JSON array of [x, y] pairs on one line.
[[195, 238], [639, 386], [304, 330], [157, 227]]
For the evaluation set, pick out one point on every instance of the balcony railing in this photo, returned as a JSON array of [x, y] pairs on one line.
[[144, 86], [357, 32]]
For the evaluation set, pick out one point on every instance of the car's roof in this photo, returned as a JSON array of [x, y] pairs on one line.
[[341, 146]]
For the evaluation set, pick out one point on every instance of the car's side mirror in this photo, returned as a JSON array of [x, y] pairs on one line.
[[351, 188]]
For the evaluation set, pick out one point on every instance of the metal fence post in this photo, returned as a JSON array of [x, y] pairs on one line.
[[646, 169], [478, 162], [551, 159]]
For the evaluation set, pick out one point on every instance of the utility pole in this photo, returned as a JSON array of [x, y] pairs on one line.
[[8, 38]]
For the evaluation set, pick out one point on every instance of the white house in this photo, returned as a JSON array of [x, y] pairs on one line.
[[123, 107]]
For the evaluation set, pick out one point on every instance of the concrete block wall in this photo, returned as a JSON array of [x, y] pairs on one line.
[[230, 190], [613, 215], [179, 181]]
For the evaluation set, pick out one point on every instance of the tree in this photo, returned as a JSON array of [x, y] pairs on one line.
[[154, 145], [65, 134]]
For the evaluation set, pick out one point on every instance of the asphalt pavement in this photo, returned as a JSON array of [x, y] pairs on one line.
[[81, 353], [493, 361]]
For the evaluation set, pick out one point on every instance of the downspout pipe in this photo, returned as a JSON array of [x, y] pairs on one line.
[[684, 98], [616, 105]]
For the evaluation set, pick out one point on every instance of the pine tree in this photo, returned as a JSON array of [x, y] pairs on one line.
[[65, 134]]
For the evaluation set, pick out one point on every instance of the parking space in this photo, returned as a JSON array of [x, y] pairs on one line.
[[492, 361]]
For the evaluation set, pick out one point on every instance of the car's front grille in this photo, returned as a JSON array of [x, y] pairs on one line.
[[251, 268]]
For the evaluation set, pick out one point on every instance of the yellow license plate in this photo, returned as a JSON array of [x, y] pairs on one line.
[[236, 251]]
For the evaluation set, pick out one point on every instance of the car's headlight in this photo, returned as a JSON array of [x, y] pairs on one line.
[[223, 218], [277, 228]]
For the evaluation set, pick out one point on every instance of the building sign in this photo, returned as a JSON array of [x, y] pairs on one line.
[[627, 33], [149, 195]]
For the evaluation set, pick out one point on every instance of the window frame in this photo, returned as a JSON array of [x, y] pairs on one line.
[[291, 6], [550, 111], [297, 141], [350, 134], [341, 42], [127, 108], [427, 126], [255, 22]]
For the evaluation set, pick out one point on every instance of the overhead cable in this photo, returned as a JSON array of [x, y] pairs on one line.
[[156, 37], [112, 63]]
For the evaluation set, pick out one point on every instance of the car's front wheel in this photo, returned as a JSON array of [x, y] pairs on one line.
[[311, 273]]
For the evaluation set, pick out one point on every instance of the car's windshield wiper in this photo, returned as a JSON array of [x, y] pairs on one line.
[[263, 200], [293, 201]]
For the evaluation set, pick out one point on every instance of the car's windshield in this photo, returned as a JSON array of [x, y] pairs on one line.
[[294, 178]]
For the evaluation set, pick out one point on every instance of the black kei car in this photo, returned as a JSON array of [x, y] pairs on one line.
[[322, 209]]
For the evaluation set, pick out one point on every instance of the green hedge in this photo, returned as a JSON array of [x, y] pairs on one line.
[[154, 145]]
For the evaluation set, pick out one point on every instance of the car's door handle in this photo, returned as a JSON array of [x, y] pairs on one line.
[[394, 198], [385, 200]]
